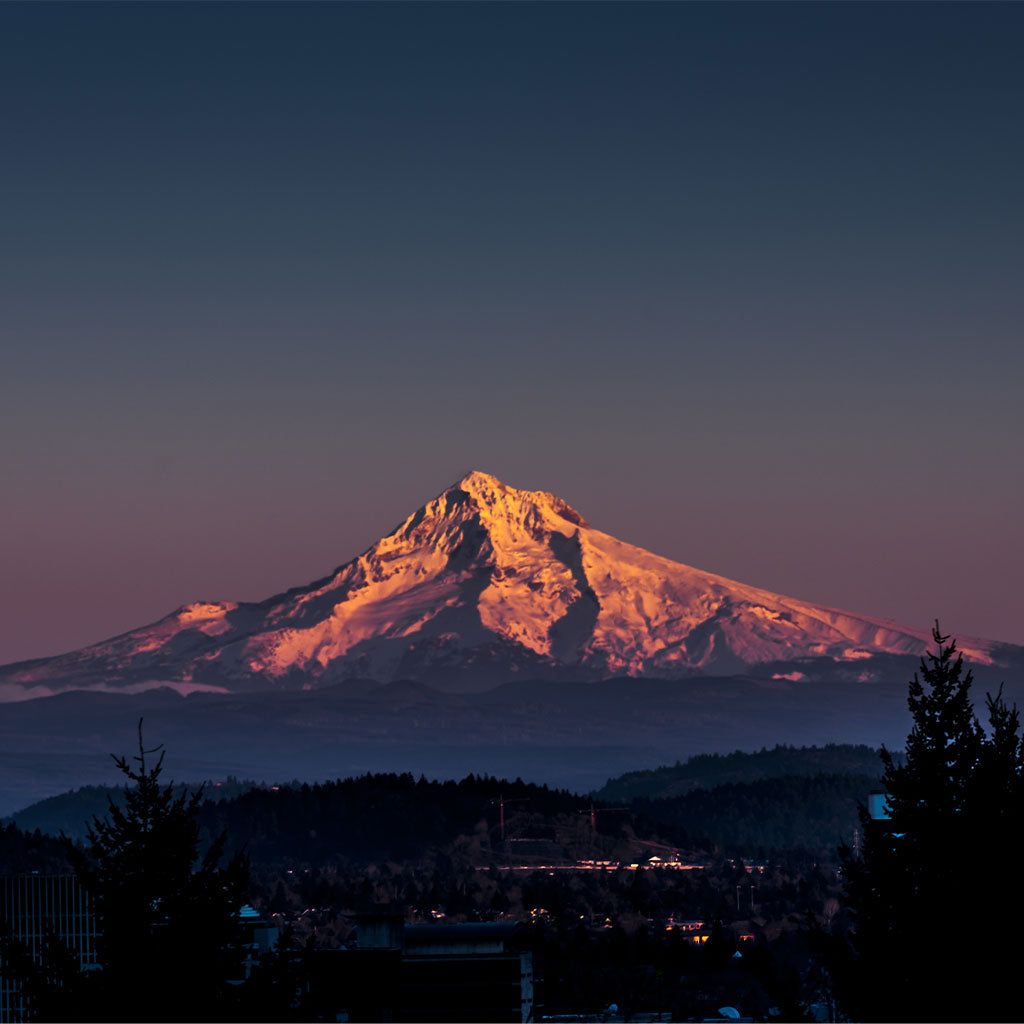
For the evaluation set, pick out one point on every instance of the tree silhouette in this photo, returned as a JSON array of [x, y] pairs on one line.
[[930, 942], [169, 931]]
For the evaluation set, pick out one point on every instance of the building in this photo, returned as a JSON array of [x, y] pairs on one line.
[[35, 908], [425, 972], [466, 972], [259, 937]]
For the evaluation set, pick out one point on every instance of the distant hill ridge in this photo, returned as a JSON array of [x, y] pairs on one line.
[[705, 771], [70, 813], [785, 797]]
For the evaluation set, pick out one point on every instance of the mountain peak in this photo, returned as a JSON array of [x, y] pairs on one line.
[[490, 492], [476, 481]]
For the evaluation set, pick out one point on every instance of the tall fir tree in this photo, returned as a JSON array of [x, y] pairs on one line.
[[169, 930], [931, 941]]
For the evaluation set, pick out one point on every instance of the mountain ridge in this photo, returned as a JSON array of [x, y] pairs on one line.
[[482, 585]]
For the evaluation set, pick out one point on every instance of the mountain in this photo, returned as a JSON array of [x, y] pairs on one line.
[[483, 585]]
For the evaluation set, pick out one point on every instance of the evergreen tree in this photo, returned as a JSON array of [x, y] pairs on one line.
[[928, 942], [169, 931]]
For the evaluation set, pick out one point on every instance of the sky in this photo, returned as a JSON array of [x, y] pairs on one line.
[[742, 283]]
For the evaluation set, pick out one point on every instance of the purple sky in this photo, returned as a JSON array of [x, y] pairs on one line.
[[740, 282]]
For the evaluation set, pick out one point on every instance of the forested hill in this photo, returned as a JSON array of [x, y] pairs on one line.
[[385, 817], [784, 798], [366, 818], [399, 818], [70, 813], [705, 771], [760, 819]]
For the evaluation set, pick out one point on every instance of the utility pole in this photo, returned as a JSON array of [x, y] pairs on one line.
[[501, 801]]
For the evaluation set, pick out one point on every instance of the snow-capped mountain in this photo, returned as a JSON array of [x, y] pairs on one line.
[[482, 585]]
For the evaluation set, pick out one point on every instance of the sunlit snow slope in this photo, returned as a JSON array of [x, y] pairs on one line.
[[483, 584]]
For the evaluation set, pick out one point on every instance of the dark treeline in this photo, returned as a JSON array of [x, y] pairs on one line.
[[372, 817], [396, 817], [812, 812], [779, 799], [22, 852], [703, 771]]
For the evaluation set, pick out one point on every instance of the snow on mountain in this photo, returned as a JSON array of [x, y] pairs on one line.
[[483, 584]]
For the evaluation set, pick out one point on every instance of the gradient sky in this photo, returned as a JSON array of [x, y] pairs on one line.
[[740, 282]]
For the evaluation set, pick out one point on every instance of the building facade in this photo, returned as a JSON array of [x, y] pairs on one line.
[[33, 910]]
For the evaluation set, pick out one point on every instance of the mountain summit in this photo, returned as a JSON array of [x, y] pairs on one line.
[[482, 585]]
